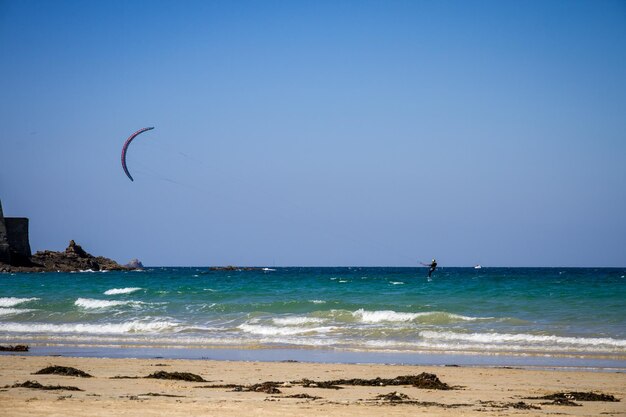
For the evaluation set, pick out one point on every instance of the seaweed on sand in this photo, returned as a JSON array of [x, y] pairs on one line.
[[424, 380], [578, 396], [37, 385], [268, 387], [177, 376], [62, 370]]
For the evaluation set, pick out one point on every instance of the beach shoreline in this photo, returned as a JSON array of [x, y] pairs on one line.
[[119, 386], [337, 356]]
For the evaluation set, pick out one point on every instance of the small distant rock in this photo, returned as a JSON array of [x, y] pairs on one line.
[[135, 264], [235, 268], [16, 348]]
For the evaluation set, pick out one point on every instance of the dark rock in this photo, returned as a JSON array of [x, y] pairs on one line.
[[178, 376], [134, 264], [62, 370], [75, 250], [16, 348], [74, 258], [234, 268]]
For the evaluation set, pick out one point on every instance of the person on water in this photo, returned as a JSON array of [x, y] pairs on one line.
[[432, 266]]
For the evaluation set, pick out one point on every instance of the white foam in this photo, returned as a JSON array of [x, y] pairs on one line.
[[296, 321], [317, 301], [397, 283], [384, 315], [281, 331], [115, 291], [10, 311], [90, 303], [104, 328], [522, 338], [268, 269], [394, 316], [13, 301]]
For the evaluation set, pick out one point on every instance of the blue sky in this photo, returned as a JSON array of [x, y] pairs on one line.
[[318, 133]]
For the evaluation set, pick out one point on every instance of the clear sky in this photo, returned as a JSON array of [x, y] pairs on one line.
[[318, 132]]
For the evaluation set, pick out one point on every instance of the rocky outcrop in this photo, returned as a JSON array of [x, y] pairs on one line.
[[235, 268], [74, 258], [135, 264]]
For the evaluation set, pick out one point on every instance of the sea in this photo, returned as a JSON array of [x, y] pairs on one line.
[[546, 317]]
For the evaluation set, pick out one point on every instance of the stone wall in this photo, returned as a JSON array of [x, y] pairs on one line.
[[17, 231], [14, 244], [5, 253]]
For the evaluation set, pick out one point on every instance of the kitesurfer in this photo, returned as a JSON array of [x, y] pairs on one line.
[[432, 266]]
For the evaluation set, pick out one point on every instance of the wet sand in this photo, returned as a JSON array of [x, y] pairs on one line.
[[231, 389]]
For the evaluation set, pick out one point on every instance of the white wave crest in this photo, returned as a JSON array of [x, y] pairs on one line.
[[13, 301], [296, 321], [90, 303], [104, 328], [281, 331], [317, 301], [385, 315], [504, 338], [114, 291], [10, 311], [394, 316]]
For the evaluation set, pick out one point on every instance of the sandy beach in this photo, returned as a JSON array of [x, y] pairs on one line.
[[229, 389]]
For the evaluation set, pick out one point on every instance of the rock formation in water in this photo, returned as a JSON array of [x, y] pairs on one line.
[[74, 258], [15, 255], [134, 264]]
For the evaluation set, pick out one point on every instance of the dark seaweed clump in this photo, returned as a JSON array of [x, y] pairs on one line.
[[62, 370], [393, 397], [305, 396], [37, 385], [563, 401], [268, 387], [423, 380], [578, 396], [155, 394], [177, 376], [521, 405]]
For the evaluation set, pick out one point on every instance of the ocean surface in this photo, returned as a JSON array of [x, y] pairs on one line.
[[572, 313]]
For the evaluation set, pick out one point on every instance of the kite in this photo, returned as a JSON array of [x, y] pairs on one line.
[[125, 147]]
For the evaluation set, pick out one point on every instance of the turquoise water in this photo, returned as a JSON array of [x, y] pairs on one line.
[[576, 313]]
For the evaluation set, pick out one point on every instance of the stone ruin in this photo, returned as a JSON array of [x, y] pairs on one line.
[[14, 244]]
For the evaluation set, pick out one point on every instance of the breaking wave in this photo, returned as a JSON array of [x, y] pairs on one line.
[[13, 301], [10, 311], [103, 328], [91, 303], [115, 291], [433, 317], [281, 331]]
